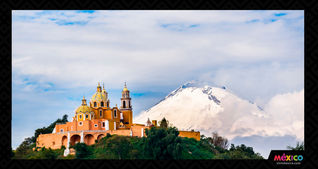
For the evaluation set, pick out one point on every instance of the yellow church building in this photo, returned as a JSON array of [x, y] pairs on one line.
[[94, 120]]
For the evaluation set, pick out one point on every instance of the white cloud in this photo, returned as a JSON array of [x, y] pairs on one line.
[[287, 113], [133, 45], [259, 82]]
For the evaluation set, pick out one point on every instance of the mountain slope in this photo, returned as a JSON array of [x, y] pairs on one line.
[[205, 108], [208, 109]]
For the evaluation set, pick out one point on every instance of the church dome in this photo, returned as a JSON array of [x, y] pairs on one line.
[[98, 97], [125, 89], [84, 108]]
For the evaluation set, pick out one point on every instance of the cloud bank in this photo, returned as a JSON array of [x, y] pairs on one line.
[[146, 48]]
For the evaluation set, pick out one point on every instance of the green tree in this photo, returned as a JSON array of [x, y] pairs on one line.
[[24, 148], [299, 146], [46, 154], [193, 149], [164, 123], [239, 152], [120, 145], [163, 143], [82, 151], [12, 153], [48, 129]]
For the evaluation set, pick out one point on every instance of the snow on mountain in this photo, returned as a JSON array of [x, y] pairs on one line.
[[208, 109]]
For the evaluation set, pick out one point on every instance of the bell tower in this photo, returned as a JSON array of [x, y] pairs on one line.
[[125, 99], [126, 107]]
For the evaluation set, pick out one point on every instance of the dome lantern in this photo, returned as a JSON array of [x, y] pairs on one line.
[[84, 101], [99, 88], [125, 88]]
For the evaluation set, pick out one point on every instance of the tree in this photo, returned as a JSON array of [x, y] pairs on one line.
[[164, 123], [239, 152], [24, 148], [299, 146], [82, 151], [48, 129], [218, 141], [46, 154], [12, 153], [163, 143]]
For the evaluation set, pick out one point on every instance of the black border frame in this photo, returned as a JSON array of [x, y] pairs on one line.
[[311, 79]]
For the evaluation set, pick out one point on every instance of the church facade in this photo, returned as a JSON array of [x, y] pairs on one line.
[[92, 121]]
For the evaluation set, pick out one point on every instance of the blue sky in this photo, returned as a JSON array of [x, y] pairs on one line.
[[59, 56]]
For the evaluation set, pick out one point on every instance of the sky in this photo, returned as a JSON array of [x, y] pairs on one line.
[[59, 56]]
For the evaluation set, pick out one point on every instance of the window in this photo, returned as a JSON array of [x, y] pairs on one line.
[[95, 125], [62, 130], [103, 124], [129, 104], [124, 104], [102, 104], [115, 113], [95, 104], [107, 104], [80, 116], [87, 116], [100, 113], [80, 123]]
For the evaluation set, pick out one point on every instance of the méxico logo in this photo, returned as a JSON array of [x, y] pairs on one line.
[[287, 157]]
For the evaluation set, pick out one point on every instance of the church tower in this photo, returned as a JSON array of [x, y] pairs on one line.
[[126, 107]]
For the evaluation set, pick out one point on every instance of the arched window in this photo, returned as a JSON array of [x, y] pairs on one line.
[[100, 113], [95, 104], [129, 104], [102, 104], [107, 104], [87, 116], [115, 113], [80, 116], [124, 104]]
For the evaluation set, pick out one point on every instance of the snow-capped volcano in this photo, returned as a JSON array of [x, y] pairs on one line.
[[207, 109]]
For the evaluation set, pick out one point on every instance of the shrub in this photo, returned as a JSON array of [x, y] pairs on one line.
[[82, 151]]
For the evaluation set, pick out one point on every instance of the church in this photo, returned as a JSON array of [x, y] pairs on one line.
[[92, 121]]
